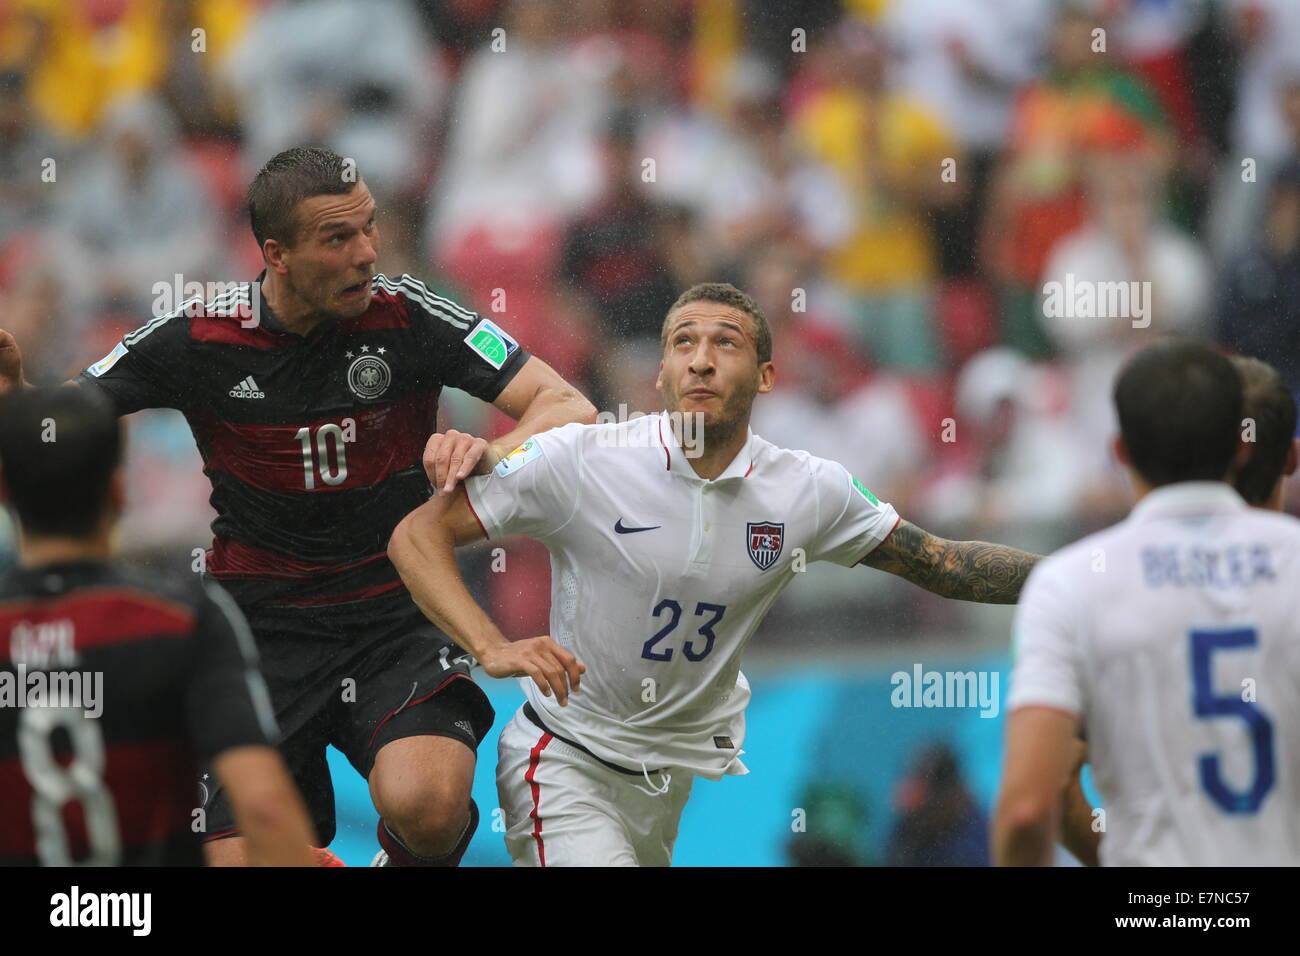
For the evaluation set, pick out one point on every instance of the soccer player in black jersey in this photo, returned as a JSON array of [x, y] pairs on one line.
[[312, 395], [115, 686]]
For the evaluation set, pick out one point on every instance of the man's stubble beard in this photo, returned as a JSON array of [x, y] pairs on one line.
[[733, 418]]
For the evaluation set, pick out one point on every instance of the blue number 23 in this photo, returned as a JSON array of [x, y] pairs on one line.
[[689, 648]]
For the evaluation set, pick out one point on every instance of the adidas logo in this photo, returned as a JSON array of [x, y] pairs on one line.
[[247, 389]]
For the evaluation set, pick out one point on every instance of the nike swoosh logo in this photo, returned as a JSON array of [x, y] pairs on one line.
[[618, 526]]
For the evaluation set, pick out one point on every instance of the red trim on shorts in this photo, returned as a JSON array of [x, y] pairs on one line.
[[476, 517], [221, 835], [411, 703], [533, 758]]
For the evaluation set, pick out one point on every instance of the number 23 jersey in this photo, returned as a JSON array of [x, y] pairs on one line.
[[659, 577]]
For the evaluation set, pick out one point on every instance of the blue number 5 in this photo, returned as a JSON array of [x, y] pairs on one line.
[[1206, 703]]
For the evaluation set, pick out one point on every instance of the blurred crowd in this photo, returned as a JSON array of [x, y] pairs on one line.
[[896, 182]]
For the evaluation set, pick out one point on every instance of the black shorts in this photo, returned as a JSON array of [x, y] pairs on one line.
[[356, 676]]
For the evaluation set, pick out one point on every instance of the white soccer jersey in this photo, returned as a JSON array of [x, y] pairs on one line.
[[1175, 637], [658, 577]]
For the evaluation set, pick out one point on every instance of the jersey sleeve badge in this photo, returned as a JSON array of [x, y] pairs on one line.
[[518, 458], [492, 343], [108, 361], [865, 492]]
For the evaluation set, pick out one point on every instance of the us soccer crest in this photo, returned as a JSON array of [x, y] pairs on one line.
[[766, 538]]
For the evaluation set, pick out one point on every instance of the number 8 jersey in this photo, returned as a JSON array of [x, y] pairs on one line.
[[1174, 637], [659, 577]]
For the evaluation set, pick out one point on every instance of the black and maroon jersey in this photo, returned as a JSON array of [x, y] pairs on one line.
[[314, 443], [114, 689]]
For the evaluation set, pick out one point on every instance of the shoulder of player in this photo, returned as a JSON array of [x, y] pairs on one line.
[[173, 592], [414, 291], [603, 441], [1280, 529], [1079, 562], [773, 458], [170, 587], [225, 314], [579, 437]]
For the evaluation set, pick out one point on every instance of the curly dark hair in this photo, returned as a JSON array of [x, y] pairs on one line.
[[724, 293]]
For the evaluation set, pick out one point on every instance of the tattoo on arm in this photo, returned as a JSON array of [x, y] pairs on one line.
[[965, 570]]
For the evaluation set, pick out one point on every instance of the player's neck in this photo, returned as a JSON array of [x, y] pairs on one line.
[[1277, 500], [293, 314], [35, 552], [718, 450]]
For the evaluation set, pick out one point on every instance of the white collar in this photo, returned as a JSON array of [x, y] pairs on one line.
[[674, 456], [1188, 498]]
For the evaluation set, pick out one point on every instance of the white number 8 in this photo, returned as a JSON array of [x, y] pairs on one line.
[[55, 785]]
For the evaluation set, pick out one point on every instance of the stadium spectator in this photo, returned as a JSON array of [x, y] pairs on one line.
[[302, 75], [1085, 102], [966, 59], [521, 153], [26, 149], [1239, 205], [1268, 35], [836, 815], [1144, 276], [134, 213], [1259, 293], [773, 189], [82, 57], [889, 150], [939, 823], [1017, 464], [612, 254]]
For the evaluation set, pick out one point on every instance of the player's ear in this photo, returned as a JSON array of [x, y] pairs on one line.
[[1120, 452], [659, 376], [1292, 457], [273, 251], [766, 376], [115, 502], [1241, 457]]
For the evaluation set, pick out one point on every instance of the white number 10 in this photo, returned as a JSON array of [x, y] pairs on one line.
[[335, 476]]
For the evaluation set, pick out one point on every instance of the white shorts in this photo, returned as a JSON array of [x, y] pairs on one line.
[[565, 808]]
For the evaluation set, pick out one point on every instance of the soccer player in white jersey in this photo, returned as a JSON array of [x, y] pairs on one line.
[[662, 566], [1170, 640]]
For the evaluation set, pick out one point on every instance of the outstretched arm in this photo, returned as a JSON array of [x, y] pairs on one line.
[[965, 570], [423, 548]]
